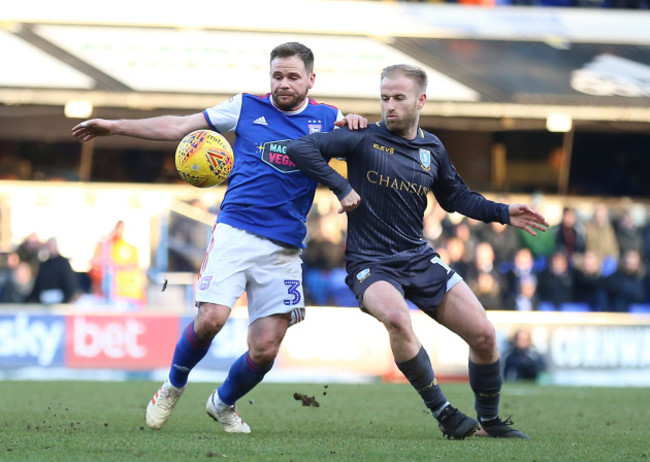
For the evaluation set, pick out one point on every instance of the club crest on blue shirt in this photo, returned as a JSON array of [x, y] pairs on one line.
[[363, 274], [425, 159], [314, 128]]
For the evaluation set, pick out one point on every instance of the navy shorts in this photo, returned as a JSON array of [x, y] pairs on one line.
[[424, 280]]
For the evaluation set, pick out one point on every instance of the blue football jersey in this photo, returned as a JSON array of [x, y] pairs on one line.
[[267, 195]]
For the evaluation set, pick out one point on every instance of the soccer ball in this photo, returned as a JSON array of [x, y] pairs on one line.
[[204, 158]]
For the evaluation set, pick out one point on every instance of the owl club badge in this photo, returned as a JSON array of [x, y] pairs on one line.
[[425, 159]]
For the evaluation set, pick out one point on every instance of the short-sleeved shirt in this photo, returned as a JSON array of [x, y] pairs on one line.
[[267, 195]]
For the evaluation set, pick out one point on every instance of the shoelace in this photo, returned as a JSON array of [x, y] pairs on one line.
[[509, 422], [164, 399], [231, 416]]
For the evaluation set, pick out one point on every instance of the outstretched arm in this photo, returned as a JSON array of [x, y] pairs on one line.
[[163, 128], [524, 217]]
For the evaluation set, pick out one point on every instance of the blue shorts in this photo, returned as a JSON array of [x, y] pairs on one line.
[[424, 280]]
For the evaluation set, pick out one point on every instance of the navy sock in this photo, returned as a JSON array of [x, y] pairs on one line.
[[420, 374], [486, 381], [189, 351], [243, 376]]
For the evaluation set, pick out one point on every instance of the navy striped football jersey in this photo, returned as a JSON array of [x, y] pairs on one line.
[[393, 176]]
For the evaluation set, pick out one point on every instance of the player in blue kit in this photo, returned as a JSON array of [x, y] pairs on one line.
[[259, 230], [394, 164]]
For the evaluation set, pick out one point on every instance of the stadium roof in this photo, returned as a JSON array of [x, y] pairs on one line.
[[495, 65]]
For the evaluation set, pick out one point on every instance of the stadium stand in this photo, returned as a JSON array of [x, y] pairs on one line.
[[498, 76]]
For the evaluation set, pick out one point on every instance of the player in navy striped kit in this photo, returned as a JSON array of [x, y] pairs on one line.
[[256, 242], [393, 165]]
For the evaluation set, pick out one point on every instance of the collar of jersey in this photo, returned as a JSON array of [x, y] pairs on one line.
[[297, 111]]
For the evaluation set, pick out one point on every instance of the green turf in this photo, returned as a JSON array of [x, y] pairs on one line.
[[93, 421]]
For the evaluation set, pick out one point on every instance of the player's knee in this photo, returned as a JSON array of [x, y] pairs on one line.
[[263, 354], [484, 341], [397, 321], [210, 320]]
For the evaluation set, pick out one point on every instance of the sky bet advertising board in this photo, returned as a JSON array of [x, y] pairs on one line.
[[610, 349]]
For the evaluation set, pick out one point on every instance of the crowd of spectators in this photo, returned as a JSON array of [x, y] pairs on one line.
[[594, 258], [35, 272], [591, 260]]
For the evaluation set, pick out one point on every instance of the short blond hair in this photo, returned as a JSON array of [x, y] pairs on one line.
[[413, 72]]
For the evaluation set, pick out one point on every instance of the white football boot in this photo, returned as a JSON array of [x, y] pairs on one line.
[[226, 415], [162, 404]]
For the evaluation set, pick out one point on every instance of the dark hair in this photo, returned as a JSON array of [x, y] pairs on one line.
[[414, 72], [289, 49]]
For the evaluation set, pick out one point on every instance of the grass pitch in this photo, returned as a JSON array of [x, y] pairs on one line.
[[96, 421]]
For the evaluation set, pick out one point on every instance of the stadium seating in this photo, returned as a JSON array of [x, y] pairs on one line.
[[546, 306], [575, 307], [640, 308], [340, 293]]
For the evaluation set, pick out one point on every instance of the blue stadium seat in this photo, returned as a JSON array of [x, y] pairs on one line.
[[608, 266], [340, 293], [576, 307], [639, 308], [317, 285], [539, 264], [545, 306]]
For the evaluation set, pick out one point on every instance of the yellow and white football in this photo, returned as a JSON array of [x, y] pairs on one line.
[[204, 158]]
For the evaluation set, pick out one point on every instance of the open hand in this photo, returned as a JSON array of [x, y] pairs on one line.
[[524, 217], [89, 129]]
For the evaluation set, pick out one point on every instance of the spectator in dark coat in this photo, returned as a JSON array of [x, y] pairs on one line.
[[628, 234], [55, 282], [17, 283], [555, 283], [628, 284], [522, 267], [570, 235], [588, 283], [484, 279], [522, 361], [29, 251]]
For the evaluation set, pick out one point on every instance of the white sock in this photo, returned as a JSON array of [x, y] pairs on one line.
[[437, 413], [218, 404]]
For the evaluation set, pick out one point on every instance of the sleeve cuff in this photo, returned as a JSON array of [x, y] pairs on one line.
[[345, 192]]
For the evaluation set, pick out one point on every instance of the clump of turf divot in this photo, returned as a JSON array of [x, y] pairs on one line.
[[309, 401]]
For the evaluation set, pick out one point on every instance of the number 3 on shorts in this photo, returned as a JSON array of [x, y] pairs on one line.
[[293, 291]]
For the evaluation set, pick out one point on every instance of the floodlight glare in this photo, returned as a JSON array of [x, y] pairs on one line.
[[78, 109], [558, 122]]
